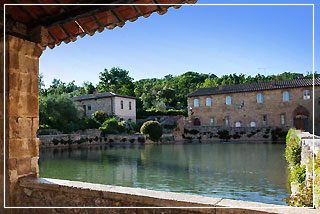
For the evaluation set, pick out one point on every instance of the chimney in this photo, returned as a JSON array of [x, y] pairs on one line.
[[220, 87], [95, 93]]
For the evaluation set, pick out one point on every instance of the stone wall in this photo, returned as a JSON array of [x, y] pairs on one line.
[[22, 112], [56, 193], [214, 133], [89, 137], [273, 106], [308, 149]]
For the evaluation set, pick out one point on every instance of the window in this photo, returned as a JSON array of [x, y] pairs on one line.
[[227, 120], [196, 102], [121, 104], [260, 98], [228, 100], [89, 107], [129, 105], [265, 120], [211, 122], [238, 124], [253, 124], [208, 101], [283, 119], [286, 96], [306, 95]]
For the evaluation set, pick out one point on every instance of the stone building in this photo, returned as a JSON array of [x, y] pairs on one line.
[[122, 106], [284, 103]]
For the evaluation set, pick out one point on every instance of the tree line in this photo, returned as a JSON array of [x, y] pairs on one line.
[[153, 94]]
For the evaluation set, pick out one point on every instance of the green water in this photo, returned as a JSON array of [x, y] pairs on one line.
[[251, 172]]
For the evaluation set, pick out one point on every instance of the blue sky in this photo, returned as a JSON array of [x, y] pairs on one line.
[[206, 39]]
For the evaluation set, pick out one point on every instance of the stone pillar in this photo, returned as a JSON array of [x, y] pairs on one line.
[[22, 113]]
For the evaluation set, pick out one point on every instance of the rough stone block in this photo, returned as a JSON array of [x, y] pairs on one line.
[[24, 166], [13, 176], [23, 148], [20, 127], [35, 165], [35, 126], [23, 104], [12, 163]]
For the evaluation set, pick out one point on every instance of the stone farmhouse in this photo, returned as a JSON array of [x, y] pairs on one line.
[[122, 106], [284, 103]]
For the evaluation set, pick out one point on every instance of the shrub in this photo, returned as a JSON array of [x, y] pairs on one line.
[[112, 126], [153, 129], [293, 149], [99, 116], [298, 174]]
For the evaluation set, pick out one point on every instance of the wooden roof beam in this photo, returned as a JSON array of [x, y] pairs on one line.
[[78, 12]]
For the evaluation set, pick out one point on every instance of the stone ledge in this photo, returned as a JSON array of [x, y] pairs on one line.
[[152, 198]]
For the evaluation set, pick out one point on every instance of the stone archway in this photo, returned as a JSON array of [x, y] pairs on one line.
[[301, 118]]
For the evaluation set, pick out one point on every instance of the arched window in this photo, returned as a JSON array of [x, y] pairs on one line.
[[196, 103], [253, 124], [227, 120], [196, 122], [238, 124], [121, 104], [208, 101], [286, 96], [260, 98]]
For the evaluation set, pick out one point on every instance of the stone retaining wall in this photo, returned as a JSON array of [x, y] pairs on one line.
[[309, 147], [94, 137], [56, 193], [216, 133]]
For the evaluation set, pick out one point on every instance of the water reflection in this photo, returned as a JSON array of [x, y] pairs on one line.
[[252, 172]]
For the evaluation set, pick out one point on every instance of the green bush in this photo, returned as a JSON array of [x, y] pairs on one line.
[[298, 174], [112, 126], [142, 114], [153, 129], [100, 116], [293, 149]]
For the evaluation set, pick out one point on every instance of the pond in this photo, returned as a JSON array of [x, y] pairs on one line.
[[250, 172]]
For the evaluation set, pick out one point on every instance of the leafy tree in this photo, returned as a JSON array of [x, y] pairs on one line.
[[116, 80], [59, 112]]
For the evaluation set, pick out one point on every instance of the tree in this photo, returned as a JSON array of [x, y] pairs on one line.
[[116, 80], [59, 112]]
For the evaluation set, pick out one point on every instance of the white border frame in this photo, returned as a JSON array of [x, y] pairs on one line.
[[4, 101]]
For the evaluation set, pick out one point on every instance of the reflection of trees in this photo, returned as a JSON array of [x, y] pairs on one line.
[[195, 168]]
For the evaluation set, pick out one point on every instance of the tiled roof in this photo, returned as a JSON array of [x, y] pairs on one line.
[[65, 23], [259, 86], [99, 95]]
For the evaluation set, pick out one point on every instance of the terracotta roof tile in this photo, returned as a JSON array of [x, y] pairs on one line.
[[99, 95], [260, 86]]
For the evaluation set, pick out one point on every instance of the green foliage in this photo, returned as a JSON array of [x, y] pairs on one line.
[[298, 174], [153, 129], [100, 116], [142, 114], [112, 126], [293, 149], [59, 112], [304, 197], [89, 123], [116, 80]]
